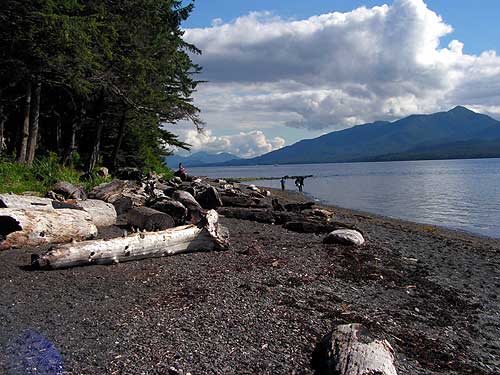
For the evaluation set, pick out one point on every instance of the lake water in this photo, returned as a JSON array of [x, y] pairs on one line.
[[458, 194]]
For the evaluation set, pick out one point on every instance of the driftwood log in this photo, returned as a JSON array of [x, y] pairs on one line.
[[175, 209], [349, 350], [188, 238], [19, 228], [122, 194], [149, 219], [195, 211], [102, 213]]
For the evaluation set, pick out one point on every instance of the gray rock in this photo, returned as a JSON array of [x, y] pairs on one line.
[[345, 237]]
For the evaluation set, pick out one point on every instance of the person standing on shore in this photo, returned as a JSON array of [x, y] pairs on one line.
[[299, 182], [283, 183]]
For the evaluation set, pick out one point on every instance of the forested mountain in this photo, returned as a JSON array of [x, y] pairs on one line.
[[458, 133], [199, 159], [94, 81]]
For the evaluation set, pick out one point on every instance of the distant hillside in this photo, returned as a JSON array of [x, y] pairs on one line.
[[199, 159], [459, 133]]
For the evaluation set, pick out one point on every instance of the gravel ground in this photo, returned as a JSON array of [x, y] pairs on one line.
[[262, 306]]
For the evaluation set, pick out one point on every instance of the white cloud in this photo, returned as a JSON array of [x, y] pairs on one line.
[[243, 144], [339, 69]]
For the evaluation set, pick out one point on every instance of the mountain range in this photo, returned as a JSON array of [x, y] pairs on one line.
[[199, 159], [457, 134]]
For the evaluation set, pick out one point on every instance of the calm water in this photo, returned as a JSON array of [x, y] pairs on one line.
[[459, 194]]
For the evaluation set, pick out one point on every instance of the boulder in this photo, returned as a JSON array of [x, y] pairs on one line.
[[209, 199], [174, 208], [345, 237], [69, 191]]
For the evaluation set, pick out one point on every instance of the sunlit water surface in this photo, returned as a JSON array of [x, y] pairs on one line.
[[459, 194]]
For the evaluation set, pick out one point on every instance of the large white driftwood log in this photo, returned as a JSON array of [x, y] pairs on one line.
[[103, 214], [25, 202], [188, 238], [349, 350], [19, 228]]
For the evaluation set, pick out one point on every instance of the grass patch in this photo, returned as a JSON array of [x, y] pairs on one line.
[[41, 176]]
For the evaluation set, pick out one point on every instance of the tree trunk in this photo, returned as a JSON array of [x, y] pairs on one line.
[[102, 214], [35, 119], [94, 155], [24, 130], [71, 146], [3, 118], [119, 139], [20, 228], [349, 350], [189, 238]]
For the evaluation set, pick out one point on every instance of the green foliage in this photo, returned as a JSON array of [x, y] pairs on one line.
[[41, 176], [120, 63]]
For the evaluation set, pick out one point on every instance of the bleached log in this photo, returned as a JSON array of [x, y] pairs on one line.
[[149, 219], [25, 202], [349, 350], [19, 228], [188, 238], [102, 213]]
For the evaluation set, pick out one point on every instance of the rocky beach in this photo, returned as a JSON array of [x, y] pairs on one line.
[[263, 305]]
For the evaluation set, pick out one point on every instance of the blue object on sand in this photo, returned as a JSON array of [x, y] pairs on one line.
[[31, 353]]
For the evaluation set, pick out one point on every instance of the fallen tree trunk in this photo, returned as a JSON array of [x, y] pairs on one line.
[[349, 350], [122, 194], [19, 228], [188, 238], [103, 214], [149, 219], [25, 202]]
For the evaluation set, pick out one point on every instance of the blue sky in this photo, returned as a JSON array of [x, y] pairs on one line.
[[281, 71], [475, 22]]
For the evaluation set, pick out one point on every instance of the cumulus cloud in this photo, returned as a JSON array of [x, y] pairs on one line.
[[336, 70], [243, 144]]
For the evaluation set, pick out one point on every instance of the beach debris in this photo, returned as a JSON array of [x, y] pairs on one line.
[[69, 191], [149, 219], [310, 225], [345, 237], [169, 206], [20, 227], [298, 207], [350, 350], [277, 206], [195, 211], [206, 236], [252, 214], [209, 198], [102, 213], [122, 194]]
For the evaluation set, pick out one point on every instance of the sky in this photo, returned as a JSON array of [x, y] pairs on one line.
[[281, 71]]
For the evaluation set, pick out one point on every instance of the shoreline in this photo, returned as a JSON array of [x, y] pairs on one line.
[[321, 203], [263, 305]]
